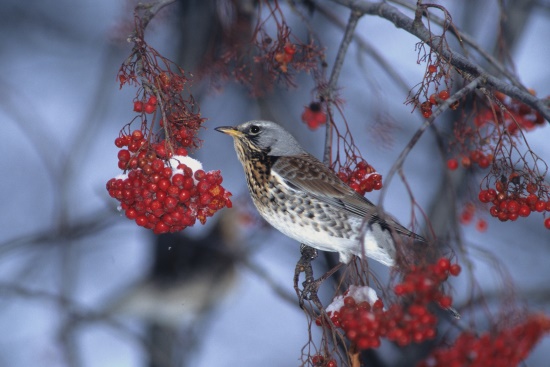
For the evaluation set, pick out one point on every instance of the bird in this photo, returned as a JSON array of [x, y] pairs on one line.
[[305, 200]]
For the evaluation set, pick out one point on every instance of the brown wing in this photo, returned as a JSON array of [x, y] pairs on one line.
[[306, 173]]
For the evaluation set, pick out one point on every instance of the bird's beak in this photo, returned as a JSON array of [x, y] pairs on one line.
[[230, 130]]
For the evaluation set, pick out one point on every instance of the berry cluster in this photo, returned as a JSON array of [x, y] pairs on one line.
[[517, 115], [168, 195], [320, 361], [475, 157], [269, 59], [434, 100], [362, 179], [468, 214], [509, 205], [285, 56], [365, 320], [149, 107], [508, 347], [424, 282], [314, 116]]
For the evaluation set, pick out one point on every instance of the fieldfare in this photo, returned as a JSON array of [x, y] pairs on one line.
[[301, 197]]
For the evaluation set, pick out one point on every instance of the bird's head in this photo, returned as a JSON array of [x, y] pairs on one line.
[[262, 137]]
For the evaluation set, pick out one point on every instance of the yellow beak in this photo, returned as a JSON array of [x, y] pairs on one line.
[[230, 130]]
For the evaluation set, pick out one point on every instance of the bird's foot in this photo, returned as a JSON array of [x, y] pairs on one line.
[[310, 284], [304, 266]]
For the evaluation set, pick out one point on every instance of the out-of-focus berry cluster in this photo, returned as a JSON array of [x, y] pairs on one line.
[[506, 347]]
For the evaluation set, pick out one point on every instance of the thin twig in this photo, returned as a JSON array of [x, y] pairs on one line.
[[328, 93], [366, 47]]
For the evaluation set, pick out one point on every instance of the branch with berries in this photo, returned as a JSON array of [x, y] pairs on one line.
[[161, 187]]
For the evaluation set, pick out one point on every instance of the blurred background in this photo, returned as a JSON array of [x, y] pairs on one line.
[[80, 285]]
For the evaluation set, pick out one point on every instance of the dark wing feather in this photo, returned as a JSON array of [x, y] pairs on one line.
[[306, 173]]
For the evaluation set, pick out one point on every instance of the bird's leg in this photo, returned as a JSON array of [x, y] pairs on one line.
[[304, 266], [311, 285]]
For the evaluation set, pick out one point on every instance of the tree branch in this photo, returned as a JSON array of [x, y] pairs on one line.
[[328, 93], [467, 68]]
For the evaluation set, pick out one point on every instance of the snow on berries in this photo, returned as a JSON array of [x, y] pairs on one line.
[[365, 320]]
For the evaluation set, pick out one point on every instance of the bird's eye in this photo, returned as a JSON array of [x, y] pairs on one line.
[[254, 129]]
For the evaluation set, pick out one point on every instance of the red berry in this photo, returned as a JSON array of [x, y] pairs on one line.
[[290, 49], [399, 289], [150, 108], [181, 151], [547, 222], [455, 269], [452, 164], [137, 135], [120, 142], [349, 301], [503, 216], [317, 360], [141, 221], [178, 179], [163, 184], [170, 203], [199, 174], [123, 155], [432, 68], [444, 94], [513, 206], [203, 186], [152, 100], [444, 264], [466, 217], [540, 206], [484, 162], [524, 211], [482, 196], [131, 214], [160, 227], [481, 225], [427, 113], [184, 195], [138, 106]]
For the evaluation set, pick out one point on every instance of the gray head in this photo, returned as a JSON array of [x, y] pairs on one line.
[[265, 136]]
